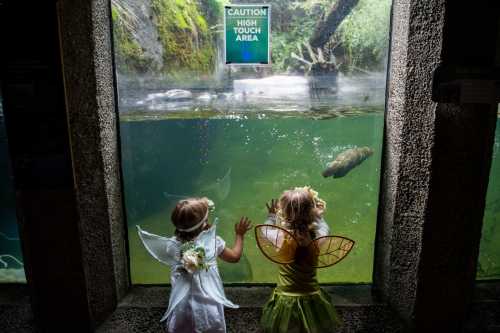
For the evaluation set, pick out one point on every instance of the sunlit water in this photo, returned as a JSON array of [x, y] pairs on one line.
[[275, 96]]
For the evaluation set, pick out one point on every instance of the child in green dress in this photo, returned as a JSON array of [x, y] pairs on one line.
[[295, 235]]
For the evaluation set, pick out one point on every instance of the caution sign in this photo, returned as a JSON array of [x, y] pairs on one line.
[[246, 34]]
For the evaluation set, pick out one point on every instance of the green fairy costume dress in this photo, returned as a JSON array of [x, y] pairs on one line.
[[298, 304]]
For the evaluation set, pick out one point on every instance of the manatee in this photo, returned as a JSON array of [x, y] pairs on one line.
[[346, 161]]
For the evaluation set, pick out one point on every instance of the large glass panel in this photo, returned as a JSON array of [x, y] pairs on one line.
[[11, 265], [489, 254], [193, 126]]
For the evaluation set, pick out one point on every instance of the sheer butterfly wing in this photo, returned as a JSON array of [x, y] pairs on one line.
[[163, 249], [276, 243], [330, 250]]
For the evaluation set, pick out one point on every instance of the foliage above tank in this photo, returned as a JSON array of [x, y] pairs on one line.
[[359, 42], [179, 37], [184, 30], [185, 35]]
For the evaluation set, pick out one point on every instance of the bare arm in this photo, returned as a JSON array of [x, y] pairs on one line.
[[234, 254]]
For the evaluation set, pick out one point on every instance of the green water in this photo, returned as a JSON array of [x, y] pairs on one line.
[[11, 258], [240, 164], [489, 254]]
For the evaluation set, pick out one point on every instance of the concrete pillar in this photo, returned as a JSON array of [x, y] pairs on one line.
[[438, 139], [86, 48], [38, 139], [416, 40], [59, 104], [464, 127]]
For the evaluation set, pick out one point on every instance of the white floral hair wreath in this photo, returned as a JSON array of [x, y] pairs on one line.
[[211, 207], [318, 202]]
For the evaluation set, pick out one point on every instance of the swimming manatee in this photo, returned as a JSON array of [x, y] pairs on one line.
[[346, 161]]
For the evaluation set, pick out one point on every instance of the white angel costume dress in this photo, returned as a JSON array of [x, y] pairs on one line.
[[197, 298]]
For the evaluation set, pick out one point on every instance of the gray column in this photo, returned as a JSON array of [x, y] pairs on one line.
[[436, 162], [416, 39], [93, 126]]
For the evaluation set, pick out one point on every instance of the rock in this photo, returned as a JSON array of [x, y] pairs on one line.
[[277, 86], [205, 97], [145, 32], [170, 95], [225, 96], [178, 94]]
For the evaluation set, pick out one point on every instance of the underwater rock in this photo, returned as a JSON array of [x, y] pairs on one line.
[[276, 86], [186, 105], [170, 95], [346, 161], [206, 97], [178, 94], [226, 96]]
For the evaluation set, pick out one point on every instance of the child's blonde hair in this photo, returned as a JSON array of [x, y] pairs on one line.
[[298, 209], [186, 214]]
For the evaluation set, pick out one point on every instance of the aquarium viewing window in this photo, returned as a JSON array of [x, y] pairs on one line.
[[192, 125], [489, 254], [11, 259]]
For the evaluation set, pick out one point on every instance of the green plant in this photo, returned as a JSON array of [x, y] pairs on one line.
[[130, 55], [364, 34], [185, 36]]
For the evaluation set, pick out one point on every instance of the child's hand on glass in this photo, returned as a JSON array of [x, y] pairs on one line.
[[234, 254], [243, 226], [272, 207]]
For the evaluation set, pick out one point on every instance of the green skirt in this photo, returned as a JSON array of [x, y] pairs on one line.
[[307, 313]]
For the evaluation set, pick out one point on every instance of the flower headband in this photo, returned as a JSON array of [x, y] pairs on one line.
[[314, 195], [318, 202], [211, 207]]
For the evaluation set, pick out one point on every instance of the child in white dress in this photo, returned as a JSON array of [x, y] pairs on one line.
[[197, 296]]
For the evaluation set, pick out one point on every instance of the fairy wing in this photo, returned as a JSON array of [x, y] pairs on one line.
[[330, 250], [163, 249], [276, 243], [208, 240]]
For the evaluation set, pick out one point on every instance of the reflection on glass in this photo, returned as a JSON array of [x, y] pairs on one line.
[[11, 265], [489, 254], [192, 126]]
